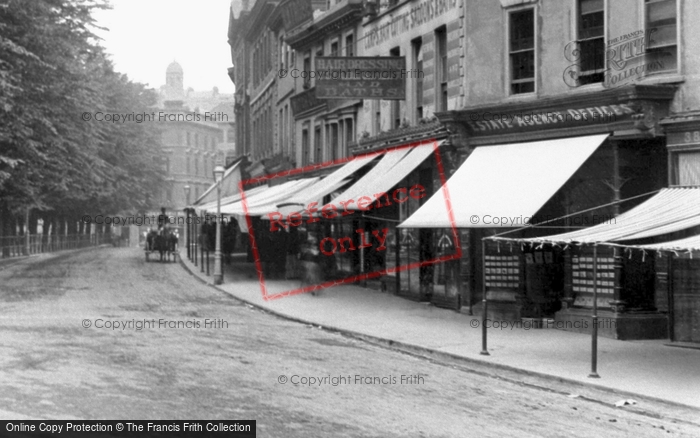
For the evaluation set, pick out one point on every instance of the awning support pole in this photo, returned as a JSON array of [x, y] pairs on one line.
[[670, 292], [594, 318], [484, 349]]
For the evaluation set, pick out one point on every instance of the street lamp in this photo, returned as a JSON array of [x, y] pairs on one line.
[[187, 222], [218, 274]]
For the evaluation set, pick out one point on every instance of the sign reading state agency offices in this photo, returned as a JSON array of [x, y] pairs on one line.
[[369, 77]]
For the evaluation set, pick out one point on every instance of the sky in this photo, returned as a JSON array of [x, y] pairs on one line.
[[145, 36]]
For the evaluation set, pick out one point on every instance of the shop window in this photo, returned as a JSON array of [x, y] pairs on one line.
[[416, 47], [441, 73], [661, 22], [522, 51], [688, 165], [591, 39]]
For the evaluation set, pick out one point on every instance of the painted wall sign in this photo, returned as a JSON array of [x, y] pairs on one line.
[[405, 19]]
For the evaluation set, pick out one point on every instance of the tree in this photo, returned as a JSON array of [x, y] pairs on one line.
[[52, 71]]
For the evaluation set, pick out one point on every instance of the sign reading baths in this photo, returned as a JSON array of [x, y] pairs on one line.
[[361, 77], [395, 25]]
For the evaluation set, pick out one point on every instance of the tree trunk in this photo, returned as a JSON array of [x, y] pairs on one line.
[[5, 220]]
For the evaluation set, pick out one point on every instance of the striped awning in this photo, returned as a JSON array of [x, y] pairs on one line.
[[504, 181], [391, 169], [669, 211], [691, 243]]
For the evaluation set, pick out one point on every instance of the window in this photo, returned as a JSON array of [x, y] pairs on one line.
[[395, 104], [335, 146], [416, 46], [196, 165], [663, 46], [318, 145], [307, 68], [349, 135], [377, 117], [334, 48], [441, 73], [522, 51], [280, 129], [688, 165], [349, 45], [281, 53], [591, 39], [188, 165], [188, 139], [305, 147], [167, 164]]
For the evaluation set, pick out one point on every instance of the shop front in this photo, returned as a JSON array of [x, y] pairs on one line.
[[562, 164]]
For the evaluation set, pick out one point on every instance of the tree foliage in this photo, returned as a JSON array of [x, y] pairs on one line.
[[52, 72]]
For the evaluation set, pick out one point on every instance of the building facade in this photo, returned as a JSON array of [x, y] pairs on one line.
[[192, 140], [525, 76]]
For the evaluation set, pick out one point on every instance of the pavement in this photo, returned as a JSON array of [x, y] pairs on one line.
[[644, 369]]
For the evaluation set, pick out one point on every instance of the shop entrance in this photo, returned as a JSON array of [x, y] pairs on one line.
[[686, 300]]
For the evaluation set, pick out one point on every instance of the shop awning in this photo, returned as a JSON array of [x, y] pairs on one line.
[[315, 192], [504, 181], [668, 211], [391, 169], [211, 206], [691, 243], [260, 200], [229, 187]]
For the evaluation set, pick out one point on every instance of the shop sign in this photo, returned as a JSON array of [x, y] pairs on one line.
[[683, 139], [369, 77], [495, 122]]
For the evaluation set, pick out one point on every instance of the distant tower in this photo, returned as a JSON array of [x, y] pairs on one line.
[[174, 88]]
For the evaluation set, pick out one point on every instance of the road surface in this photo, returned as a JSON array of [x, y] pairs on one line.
[[99, 334]]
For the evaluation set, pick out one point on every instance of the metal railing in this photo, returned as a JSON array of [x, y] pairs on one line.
[[16, 246]]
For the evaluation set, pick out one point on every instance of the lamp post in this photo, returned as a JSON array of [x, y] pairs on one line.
[[187, 222], [218, 274]]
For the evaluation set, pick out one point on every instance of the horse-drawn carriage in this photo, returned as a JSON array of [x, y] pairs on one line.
[[162, 242]]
